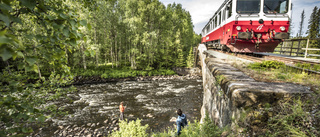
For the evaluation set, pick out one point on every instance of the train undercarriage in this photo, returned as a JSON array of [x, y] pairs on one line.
[[245, 46]]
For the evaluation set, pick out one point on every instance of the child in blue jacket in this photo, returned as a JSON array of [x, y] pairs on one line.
[[181, 121]]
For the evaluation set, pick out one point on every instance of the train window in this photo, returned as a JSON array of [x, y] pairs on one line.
[[275, 6], [224, 15], [215, 21], [212, 23], [219, 18], [229, 10], [208, 28], [248, 6]]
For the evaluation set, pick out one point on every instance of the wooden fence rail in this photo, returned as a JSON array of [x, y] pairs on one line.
[[298, 47]]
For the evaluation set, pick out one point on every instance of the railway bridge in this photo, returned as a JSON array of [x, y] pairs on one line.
[[228, 92]]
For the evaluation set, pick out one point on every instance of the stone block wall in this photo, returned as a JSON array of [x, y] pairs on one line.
[[228, 92]]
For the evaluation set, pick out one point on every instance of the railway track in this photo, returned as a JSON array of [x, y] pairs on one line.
[[260, 58]]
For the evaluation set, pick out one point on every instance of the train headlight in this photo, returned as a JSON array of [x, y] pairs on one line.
[[282, 28], [238, 28]]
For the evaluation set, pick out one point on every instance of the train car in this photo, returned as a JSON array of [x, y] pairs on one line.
[[246, 26]]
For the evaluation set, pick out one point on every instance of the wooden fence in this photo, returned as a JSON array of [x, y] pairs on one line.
[[299, 47]]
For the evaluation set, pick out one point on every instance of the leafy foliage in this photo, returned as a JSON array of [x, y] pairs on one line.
[[267, 65], [190, 59], [135, 129], [34, 37], [131, 129], [54, 29], [208, 128], [196, 129], [141, 34], [43, 43], [22, 102]]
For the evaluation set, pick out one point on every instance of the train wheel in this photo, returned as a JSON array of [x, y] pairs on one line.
[[229, 50], [257, 47]]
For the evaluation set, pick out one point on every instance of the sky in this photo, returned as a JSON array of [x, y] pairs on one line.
[[202, 10]]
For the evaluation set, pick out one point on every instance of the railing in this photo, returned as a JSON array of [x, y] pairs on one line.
[[299, 47]]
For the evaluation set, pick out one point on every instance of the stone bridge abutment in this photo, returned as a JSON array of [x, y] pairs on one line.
[[228, 92]]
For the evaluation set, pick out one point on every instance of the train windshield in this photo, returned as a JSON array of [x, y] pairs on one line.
[[248, 6], [275, 6]]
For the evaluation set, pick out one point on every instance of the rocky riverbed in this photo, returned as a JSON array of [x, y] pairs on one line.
[[93, 109]]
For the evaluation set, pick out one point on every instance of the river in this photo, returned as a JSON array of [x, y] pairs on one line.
[[96, 107]]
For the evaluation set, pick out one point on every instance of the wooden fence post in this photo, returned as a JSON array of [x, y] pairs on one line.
[[291, 48], [297, 54], [281, 48], [306, 52]]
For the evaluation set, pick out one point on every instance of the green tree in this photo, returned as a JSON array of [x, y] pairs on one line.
[[35, 38], [313, 27], [190, 60], [302, 17]]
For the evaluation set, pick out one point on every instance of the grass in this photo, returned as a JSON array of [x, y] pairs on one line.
[[273, 71], [296, 117]]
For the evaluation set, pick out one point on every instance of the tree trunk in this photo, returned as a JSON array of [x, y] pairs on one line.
[[119, 52], [95, 42], [83, 56], [116, 50], [111, 55]]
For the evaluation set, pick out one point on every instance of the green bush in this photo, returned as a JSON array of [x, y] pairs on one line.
[[170, 72], [105, 76], [144, 73], [196, 129], [267, 65], [131, 129]]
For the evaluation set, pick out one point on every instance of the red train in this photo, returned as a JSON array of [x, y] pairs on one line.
[[248, 25]]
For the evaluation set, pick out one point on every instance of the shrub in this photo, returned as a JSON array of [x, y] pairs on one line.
[[267, 65], [196, 129], [131, 129], [104, 76], [144, 73], [210, 129], [170, 72]]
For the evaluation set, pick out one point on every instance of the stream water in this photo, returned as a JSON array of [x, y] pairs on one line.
[[154, 102]]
